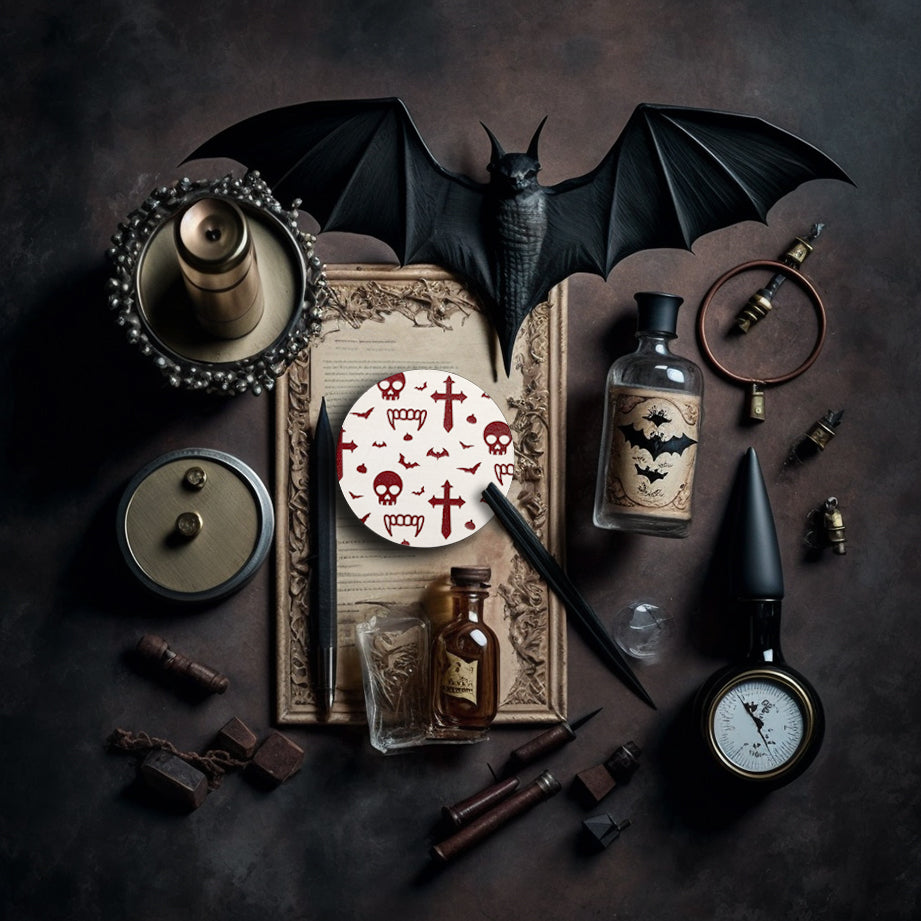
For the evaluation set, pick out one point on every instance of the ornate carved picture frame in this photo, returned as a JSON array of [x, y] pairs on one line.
[[380, 320]]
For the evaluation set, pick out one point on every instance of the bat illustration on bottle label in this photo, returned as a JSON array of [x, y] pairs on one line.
[[653, 450]]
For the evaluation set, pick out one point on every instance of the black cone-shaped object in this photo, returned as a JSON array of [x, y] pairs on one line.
[[757, 570]]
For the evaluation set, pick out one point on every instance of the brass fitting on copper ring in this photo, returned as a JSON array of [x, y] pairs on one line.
[[756, 386]]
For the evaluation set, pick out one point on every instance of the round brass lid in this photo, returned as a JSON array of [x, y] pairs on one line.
[[195, 524]]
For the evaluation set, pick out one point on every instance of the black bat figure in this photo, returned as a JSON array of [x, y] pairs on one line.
[[672, 175], [650, 474], [655, 444]]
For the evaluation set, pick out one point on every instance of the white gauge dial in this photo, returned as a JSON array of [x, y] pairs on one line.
[[760, 722]]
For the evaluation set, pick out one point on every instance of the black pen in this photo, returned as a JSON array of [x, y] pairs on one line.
[[323, 573], [552, 573]]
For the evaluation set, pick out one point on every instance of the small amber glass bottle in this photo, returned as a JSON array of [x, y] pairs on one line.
[[465, 657]]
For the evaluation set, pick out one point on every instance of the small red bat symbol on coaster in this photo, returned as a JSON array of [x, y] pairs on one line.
[[407, 464], [441, 452], [365, 414], [472, 469]]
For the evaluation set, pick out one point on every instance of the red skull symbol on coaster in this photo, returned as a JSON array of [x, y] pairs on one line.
[[416, 451]]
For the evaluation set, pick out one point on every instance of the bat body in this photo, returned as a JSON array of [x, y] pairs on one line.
[[656, 444], [673, 175]]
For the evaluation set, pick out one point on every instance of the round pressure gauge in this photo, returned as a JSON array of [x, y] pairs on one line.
[[761, 724]]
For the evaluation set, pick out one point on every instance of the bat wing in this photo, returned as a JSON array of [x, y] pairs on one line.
[[673, 175], [677, 444], [361, 166]]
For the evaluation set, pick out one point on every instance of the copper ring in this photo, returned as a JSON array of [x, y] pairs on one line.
[[793, 275]]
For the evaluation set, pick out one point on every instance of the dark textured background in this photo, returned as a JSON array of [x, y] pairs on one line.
[[100, 102]]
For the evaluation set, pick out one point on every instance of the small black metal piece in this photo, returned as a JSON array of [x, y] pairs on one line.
[[602, 830]]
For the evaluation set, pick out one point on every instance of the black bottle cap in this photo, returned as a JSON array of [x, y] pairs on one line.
[[757, 569], [468, 576], [657, 312]]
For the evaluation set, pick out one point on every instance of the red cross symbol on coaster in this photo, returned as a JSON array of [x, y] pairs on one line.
[[340, 447], [446, 502], [449, 396]]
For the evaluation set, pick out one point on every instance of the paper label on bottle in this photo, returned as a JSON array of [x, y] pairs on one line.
[[653, 451], [459, 678]]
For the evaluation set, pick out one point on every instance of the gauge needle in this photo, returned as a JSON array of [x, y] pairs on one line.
[[759, 724]]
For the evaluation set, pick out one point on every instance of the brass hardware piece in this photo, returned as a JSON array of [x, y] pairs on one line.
[[758, 306], [822, 432], [189, 525], [195, 478], [756, 402], [816, 438], [800, 248], [833, 521], [761, 302], [826, 527]]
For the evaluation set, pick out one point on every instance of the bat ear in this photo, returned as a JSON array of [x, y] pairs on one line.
[[497, 152], [532, 147]]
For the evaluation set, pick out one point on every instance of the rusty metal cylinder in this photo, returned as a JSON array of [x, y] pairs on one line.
[[155, 650], [218, 262], [474, 806], [518, 803]]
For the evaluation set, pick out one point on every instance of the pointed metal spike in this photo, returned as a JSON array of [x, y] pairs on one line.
[[582, 720]]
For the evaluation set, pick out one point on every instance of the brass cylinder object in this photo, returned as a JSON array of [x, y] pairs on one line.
[[833, 521], [757, 308], [756, 406], [796, 255], [821, 434], [218, 262], [760, 303], [195, 478], [189, 525]]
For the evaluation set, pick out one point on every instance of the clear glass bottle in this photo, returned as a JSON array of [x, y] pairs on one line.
[[652, 420], [465, 657]]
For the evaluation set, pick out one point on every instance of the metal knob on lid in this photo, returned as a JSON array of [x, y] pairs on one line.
[[195, 525]]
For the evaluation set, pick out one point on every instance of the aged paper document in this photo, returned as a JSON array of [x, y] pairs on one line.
[[379, 321]]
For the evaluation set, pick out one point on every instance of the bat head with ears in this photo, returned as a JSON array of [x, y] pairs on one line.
[[514, 173]]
